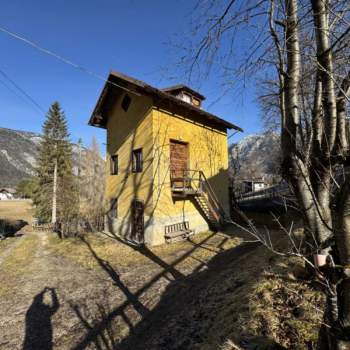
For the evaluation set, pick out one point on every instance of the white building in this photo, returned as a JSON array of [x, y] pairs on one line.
[[253, 185], [7, 193]]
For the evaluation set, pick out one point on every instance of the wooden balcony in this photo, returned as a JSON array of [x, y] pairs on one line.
[[192, 184], [185, 183]]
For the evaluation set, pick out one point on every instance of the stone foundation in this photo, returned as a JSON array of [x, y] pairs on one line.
[[155, 227]]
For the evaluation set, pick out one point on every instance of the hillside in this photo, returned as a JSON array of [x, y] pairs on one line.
[[18, 151], [256, 156], [17, 155]]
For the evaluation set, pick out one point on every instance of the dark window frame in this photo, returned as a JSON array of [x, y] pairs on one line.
[[114, 164], [126, 103], [137, 160]]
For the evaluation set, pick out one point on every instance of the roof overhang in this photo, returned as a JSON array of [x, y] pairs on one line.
[[118, 83]]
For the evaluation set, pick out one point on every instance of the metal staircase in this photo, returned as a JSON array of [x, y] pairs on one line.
[[193, 185]]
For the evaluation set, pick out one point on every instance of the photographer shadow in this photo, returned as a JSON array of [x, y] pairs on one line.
[[38, 332]]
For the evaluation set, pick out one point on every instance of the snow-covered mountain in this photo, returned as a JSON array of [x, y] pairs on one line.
[[18, 150], [256, 156]]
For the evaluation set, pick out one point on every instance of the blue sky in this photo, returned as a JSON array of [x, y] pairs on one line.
[[100, 35]]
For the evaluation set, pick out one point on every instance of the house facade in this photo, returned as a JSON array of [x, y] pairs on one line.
[[167, 173]]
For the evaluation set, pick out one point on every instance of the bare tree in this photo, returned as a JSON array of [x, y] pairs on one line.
[[92, 186], [299, 52]]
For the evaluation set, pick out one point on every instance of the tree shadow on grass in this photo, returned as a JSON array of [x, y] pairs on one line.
[[187, 310], [181, 319], [97, 330]]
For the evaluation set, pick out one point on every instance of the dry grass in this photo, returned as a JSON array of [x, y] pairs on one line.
[[16, 264], [271, 304], [16, 210], [240, 297], [4, 244], [122, 255], [259, 299]]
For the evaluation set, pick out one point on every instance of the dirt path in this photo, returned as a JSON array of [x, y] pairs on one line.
[[31, 317]]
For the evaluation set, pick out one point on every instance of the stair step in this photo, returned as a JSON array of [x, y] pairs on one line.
[[177, 233]]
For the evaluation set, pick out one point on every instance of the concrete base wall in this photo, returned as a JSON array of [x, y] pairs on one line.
[[155, 227]]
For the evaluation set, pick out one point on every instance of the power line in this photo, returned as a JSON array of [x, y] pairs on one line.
[[31, 99], [18, 95], [63, 59]]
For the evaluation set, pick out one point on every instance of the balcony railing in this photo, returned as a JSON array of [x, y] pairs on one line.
[[188, 182]]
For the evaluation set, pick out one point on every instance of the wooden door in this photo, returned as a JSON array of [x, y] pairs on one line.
[[138, 228], [178, 162]]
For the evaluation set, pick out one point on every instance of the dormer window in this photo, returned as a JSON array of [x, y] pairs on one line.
[[186, 94], [196, 102], [186, 98]]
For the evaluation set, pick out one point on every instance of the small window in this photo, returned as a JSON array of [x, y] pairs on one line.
[[126, 103], [137, 161], [196, 102], [186, 98], [113, 210], [114, 165]]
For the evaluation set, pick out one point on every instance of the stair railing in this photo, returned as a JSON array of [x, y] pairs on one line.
[[213, 201], [196, 180], [183, 179]]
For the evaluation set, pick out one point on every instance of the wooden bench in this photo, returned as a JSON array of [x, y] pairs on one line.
[[177, 232]]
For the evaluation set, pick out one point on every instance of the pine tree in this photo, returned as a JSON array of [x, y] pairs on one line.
[[54, 147]]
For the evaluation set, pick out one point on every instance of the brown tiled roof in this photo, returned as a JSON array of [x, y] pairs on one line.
[[138, 87]]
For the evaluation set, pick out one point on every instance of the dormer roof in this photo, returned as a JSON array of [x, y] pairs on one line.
[[174, 90]]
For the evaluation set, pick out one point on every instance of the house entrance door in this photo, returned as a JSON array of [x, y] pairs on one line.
[[138, 228], [178, 162]]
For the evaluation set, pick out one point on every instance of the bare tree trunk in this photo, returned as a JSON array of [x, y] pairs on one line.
[[314, 134], [325, 68], [54, 196], [342, 238]]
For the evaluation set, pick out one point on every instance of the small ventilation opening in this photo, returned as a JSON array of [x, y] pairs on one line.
[[126, 103]]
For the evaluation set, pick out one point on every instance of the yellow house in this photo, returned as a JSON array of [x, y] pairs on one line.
[[167, 173]]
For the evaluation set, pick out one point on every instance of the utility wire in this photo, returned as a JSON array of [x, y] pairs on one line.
[[19, 95], [62, 59], [37, 105]]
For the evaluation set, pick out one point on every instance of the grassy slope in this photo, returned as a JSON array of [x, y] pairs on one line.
[[243, 294]]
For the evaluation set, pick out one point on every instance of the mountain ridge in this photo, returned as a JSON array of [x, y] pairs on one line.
[[18, 151], [256, 156]]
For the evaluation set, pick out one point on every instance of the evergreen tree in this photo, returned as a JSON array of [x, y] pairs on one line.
[[54, 147]]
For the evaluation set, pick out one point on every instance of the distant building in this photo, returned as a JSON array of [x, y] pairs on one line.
[[168, 160], [7, 193], [253, 185]]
